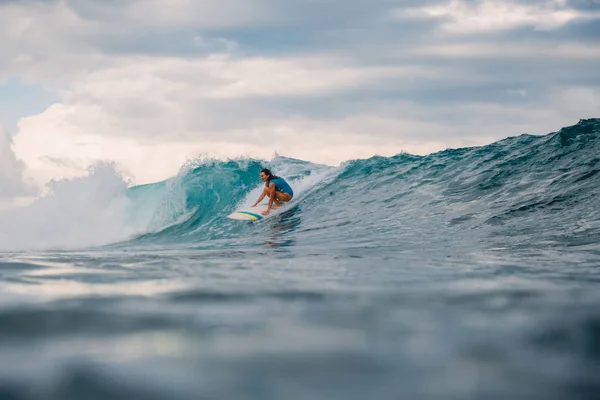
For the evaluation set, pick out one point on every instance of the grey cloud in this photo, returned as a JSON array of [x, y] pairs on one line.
[[514, 70], [27, 2], [584, 5]]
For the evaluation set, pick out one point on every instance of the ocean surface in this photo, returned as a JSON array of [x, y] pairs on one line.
[[470, 273]]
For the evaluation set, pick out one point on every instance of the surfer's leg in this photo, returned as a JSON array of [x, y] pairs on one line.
[[282, 197], [267, 194]]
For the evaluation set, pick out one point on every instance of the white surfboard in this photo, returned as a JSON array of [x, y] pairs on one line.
[[253, 213], [249, 214]]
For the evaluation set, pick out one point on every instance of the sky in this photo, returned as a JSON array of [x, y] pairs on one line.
[[149, 84]]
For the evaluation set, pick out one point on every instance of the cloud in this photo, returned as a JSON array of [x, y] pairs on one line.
[[460, 16], [152, 83], [150, 114], [12, 183]]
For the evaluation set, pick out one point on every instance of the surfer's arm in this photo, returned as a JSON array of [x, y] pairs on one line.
[[262, 196]]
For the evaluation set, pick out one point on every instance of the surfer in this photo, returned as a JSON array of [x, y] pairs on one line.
[[278, 190]]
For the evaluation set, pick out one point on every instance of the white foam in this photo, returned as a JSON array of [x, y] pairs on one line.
[[84, 211]]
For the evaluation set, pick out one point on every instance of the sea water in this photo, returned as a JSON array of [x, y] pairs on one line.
[[470, 273]]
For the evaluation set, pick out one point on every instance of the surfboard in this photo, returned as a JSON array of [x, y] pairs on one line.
[[253, 213], [249, 214]]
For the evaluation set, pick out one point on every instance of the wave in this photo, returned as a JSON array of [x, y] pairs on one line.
[[524, 189]]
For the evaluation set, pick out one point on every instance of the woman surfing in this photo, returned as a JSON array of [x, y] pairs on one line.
[[278, 190]]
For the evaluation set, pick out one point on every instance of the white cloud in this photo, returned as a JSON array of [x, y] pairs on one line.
[[296, 77], [12, 182], [223, 76], [150, 110], [52, 146], [492, 50], [150, 114], [181, 13], [461, 16]]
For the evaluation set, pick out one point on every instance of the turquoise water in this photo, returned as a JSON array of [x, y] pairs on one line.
[[465, 274]]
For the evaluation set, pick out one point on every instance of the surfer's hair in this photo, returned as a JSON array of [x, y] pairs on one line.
[[267, 172]]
